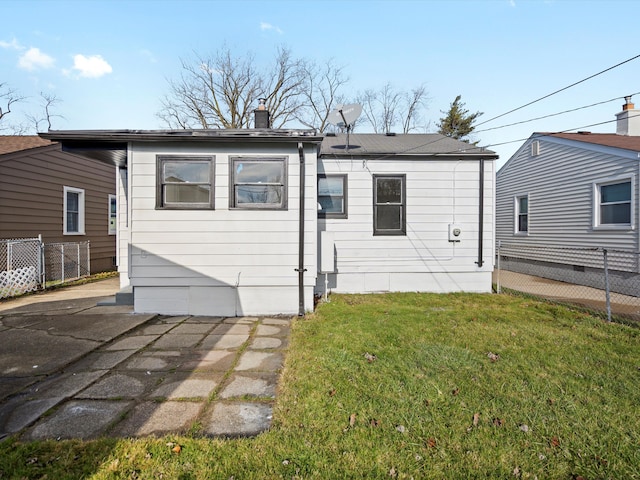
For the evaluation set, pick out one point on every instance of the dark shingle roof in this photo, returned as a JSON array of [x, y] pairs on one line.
[[16, 143], [366, 144], [606, 139]]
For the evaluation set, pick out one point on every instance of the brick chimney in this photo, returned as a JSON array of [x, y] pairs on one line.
[[261, 115], [628, 120]]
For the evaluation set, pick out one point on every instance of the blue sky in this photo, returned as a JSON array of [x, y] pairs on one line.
[[109, 61]]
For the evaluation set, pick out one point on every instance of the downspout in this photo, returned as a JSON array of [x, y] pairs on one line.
[[481, 213], [301, 268]]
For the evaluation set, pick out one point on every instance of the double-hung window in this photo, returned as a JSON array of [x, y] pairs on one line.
[[522, 214], [389, 205], [332, 196], [73, 211], [613, 206], [258, 183], [185, 182]]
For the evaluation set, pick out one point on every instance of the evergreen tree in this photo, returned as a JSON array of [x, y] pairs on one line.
[[458, 122]]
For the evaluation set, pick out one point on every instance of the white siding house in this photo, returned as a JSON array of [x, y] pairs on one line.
[[568, 191], [389, 205], [212, 222]]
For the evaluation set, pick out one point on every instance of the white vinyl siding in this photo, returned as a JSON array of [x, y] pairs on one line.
[[197, 254], [438, 193]]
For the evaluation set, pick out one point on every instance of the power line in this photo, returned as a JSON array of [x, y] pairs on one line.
[[558, 91], [552, 114]]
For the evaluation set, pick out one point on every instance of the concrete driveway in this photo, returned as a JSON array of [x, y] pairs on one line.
[[70, 368]]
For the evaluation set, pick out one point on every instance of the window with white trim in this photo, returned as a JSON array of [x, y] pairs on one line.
[[185, 182], [258, 183], [73, 211], [613, 207], [332, 196], [113, 215], [522, 214], [389, 205]]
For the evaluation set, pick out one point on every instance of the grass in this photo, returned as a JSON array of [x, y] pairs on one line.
[[404, 386]]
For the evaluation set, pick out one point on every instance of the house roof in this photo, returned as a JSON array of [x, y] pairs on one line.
[[110, 146], [626, 142], [410, 144], [17, 143]]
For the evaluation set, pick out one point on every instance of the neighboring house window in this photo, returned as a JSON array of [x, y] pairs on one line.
[[332, 196], [389, 205], [614, 203], [185, 182], [258, 183], [113, 215], [522, 214], [73, 211]]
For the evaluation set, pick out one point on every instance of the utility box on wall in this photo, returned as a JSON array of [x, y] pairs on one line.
[[327, 262]]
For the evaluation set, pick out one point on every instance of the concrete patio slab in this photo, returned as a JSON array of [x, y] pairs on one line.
[[239, 419], [153, 418], [83, 419]]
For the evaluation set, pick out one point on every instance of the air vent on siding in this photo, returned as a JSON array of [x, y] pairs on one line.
[[535, 148]]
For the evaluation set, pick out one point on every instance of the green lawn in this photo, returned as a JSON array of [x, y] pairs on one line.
[[411, 386]]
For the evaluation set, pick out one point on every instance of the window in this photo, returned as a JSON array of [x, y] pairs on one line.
[[389, 205], [332, 196], [185, 182], [614, 203], [73, 211], [522, 214], [258, 183], [113, 215]]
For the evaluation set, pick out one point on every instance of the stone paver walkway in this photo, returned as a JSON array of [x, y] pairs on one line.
[[207, 376]]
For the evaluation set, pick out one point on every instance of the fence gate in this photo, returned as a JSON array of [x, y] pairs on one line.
[[22, 266], [67, 261]]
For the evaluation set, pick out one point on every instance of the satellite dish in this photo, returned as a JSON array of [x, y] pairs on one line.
[[345, 116]]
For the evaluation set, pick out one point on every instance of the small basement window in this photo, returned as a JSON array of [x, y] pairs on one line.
[[185, 182], [258, 183]]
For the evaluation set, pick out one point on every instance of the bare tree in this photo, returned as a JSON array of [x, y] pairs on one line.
[[389, 107], [8, 97], [222, 91], [321, 93], [48, 102]]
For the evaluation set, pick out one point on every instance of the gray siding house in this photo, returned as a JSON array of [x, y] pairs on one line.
[[61, 196], [563, 197]]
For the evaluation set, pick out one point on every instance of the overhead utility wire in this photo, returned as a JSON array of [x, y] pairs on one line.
[[546, 134], [558, 91], [552, 114]]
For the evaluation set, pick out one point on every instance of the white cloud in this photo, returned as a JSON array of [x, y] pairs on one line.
[[34, 59], [267, 26], [93, 66], [13, 44]]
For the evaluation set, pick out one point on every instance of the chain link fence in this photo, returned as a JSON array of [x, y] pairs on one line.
[[27, 264], [66, 261], [21, 266], [605, 281]]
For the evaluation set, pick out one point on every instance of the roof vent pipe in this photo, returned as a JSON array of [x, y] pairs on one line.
[[262, 115]]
